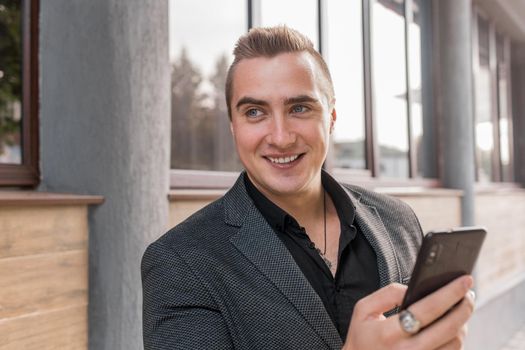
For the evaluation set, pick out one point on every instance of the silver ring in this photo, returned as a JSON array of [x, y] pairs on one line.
[[408, 322]]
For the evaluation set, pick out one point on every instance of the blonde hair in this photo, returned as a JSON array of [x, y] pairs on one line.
[[269, 42]]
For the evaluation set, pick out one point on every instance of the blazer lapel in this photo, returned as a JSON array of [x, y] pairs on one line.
[[258, 243], [377, 235]]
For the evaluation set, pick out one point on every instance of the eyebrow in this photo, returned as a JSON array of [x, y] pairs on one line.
[[291, 100], [300, 99], [250, 100]]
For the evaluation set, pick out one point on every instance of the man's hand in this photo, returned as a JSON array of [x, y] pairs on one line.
[[370, 329]]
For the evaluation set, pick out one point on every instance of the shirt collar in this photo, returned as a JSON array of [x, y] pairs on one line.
[[274, 215], [280, 220], [342, 202]]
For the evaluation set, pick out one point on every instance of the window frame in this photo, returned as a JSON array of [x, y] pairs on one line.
[[27, 173], [510, 136]]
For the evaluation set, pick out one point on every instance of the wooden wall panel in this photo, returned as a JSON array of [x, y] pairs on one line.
[[42, 282], [502, 258], [41, 229], [436, 213], [43, 276], [60, 329]]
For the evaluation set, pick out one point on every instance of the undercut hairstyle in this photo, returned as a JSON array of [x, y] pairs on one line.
[[270, 42]]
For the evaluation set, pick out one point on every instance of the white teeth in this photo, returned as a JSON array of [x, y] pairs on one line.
[[283, 160]]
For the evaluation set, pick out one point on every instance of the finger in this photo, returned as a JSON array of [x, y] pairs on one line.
[[439, 302], [448, 328], [380, 301], [454, 344], [457, 342]]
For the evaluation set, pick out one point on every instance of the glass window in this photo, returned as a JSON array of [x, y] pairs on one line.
[[10, 82], [344, 55], [483, 123], [19, 164], [390, 86], [200, 54], [296, 14]]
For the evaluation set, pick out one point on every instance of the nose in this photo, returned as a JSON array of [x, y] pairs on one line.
[[281, 134]]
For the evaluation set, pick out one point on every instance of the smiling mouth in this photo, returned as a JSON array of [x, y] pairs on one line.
[[284, 160]]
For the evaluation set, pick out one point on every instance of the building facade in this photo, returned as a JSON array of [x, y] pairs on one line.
[[120, 104]]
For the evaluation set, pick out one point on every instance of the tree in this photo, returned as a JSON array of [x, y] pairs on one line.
[[10, 72]]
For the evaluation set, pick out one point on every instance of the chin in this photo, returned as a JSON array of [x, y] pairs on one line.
[[284, 187]]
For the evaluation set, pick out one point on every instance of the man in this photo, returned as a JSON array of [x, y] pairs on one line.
[[289, 258]]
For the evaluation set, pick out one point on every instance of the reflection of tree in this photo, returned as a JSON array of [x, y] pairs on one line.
[[10, 72], [224, 155], [186, 113], [200, 126]]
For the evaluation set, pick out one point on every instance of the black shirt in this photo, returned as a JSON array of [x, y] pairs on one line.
[[356, 275]]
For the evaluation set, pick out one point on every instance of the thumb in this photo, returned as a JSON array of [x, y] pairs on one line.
[[380, 301]]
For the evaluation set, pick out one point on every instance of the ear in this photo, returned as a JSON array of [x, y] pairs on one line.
[[333, 118], [231, 129]]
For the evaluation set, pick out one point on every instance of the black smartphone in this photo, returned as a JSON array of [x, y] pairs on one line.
[[443, 256]]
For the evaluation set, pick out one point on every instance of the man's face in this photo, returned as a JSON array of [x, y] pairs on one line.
[[281, 122]]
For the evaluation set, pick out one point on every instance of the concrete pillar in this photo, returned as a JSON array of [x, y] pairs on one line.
[[518, 109], [104, 121], [455, 101]]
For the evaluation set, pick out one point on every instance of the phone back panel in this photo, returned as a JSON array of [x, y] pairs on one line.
[[444, 256]]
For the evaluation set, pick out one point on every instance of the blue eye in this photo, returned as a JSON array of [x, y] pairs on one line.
[[253, 113], [299, 109]]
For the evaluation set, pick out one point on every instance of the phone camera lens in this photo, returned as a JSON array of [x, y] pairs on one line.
[[432, 255]]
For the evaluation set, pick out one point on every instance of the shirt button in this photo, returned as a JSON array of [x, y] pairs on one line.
[[311, 245]]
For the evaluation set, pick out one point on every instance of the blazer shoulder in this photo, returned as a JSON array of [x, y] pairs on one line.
[[377, 199], [199, 227], [391, 209], [400, 222]]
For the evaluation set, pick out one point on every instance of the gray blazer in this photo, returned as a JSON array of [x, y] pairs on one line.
[[222, 279]]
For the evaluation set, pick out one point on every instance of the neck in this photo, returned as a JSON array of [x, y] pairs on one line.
[[305, 206]]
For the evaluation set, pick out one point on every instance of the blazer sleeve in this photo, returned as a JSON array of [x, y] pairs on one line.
[[178, 311]]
